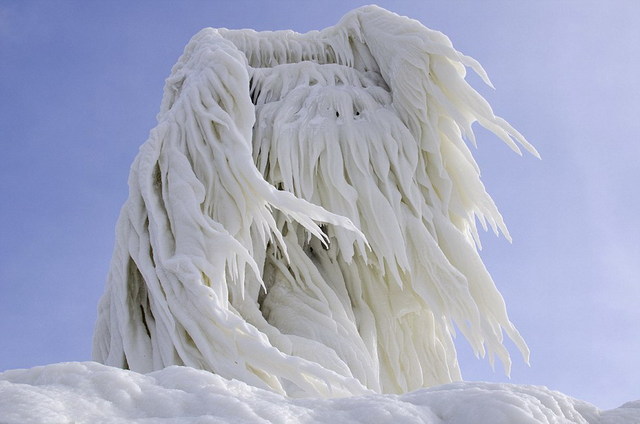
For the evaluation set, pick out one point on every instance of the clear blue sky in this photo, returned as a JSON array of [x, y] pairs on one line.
[[81, 82]]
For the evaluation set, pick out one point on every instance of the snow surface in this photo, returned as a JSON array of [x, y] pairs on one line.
[[305, 213], [88, 392]]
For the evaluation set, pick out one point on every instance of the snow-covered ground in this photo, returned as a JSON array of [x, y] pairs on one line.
[[88, 392]]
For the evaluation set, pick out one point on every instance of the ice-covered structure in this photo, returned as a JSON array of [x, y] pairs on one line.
[[303, 217]]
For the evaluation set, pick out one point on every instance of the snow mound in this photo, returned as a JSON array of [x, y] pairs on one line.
[[88, 392]]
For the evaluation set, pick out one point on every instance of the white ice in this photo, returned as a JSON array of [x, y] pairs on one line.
[[303, 217], [301, 234], [89, 392]]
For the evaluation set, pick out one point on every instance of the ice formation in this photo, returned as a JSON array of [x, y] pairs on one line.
[[303, 217], [93, 393]]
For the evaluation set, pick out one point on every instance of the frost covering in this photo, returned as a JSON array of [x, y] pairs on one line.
[[303, 217]]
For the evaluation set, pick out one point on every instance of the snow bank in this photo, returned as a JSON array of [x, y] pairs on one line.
[[89, 392]]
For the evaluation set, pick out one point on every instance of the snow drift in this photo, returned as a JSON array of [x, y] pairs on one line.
[[94, 393], [303, 217]]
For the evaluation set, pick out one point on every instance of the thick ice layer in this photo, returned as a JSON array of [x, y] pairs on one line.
[[91, 393], [303, 217]]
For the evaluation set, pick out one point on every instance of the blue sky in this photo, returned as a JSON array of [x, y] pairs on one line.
[[81, 83]]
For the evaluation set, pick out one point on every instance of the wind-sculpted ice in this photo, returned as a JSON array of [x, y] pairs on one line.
[[303, 217]]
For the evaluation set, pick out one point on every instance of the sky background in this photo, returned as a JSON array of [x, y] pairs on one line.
[[81, 83]]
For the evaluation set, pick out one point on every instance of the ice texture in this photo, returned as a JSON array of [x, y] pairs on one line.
[[299, 246], [89, 392], [303, 217]]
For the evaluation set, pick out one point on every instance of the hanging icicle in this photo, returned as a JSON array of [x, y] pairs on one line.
[[303, 217]]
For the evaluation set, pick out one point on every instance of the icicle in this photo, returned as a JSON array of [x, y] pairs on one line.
[[303, 217]]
